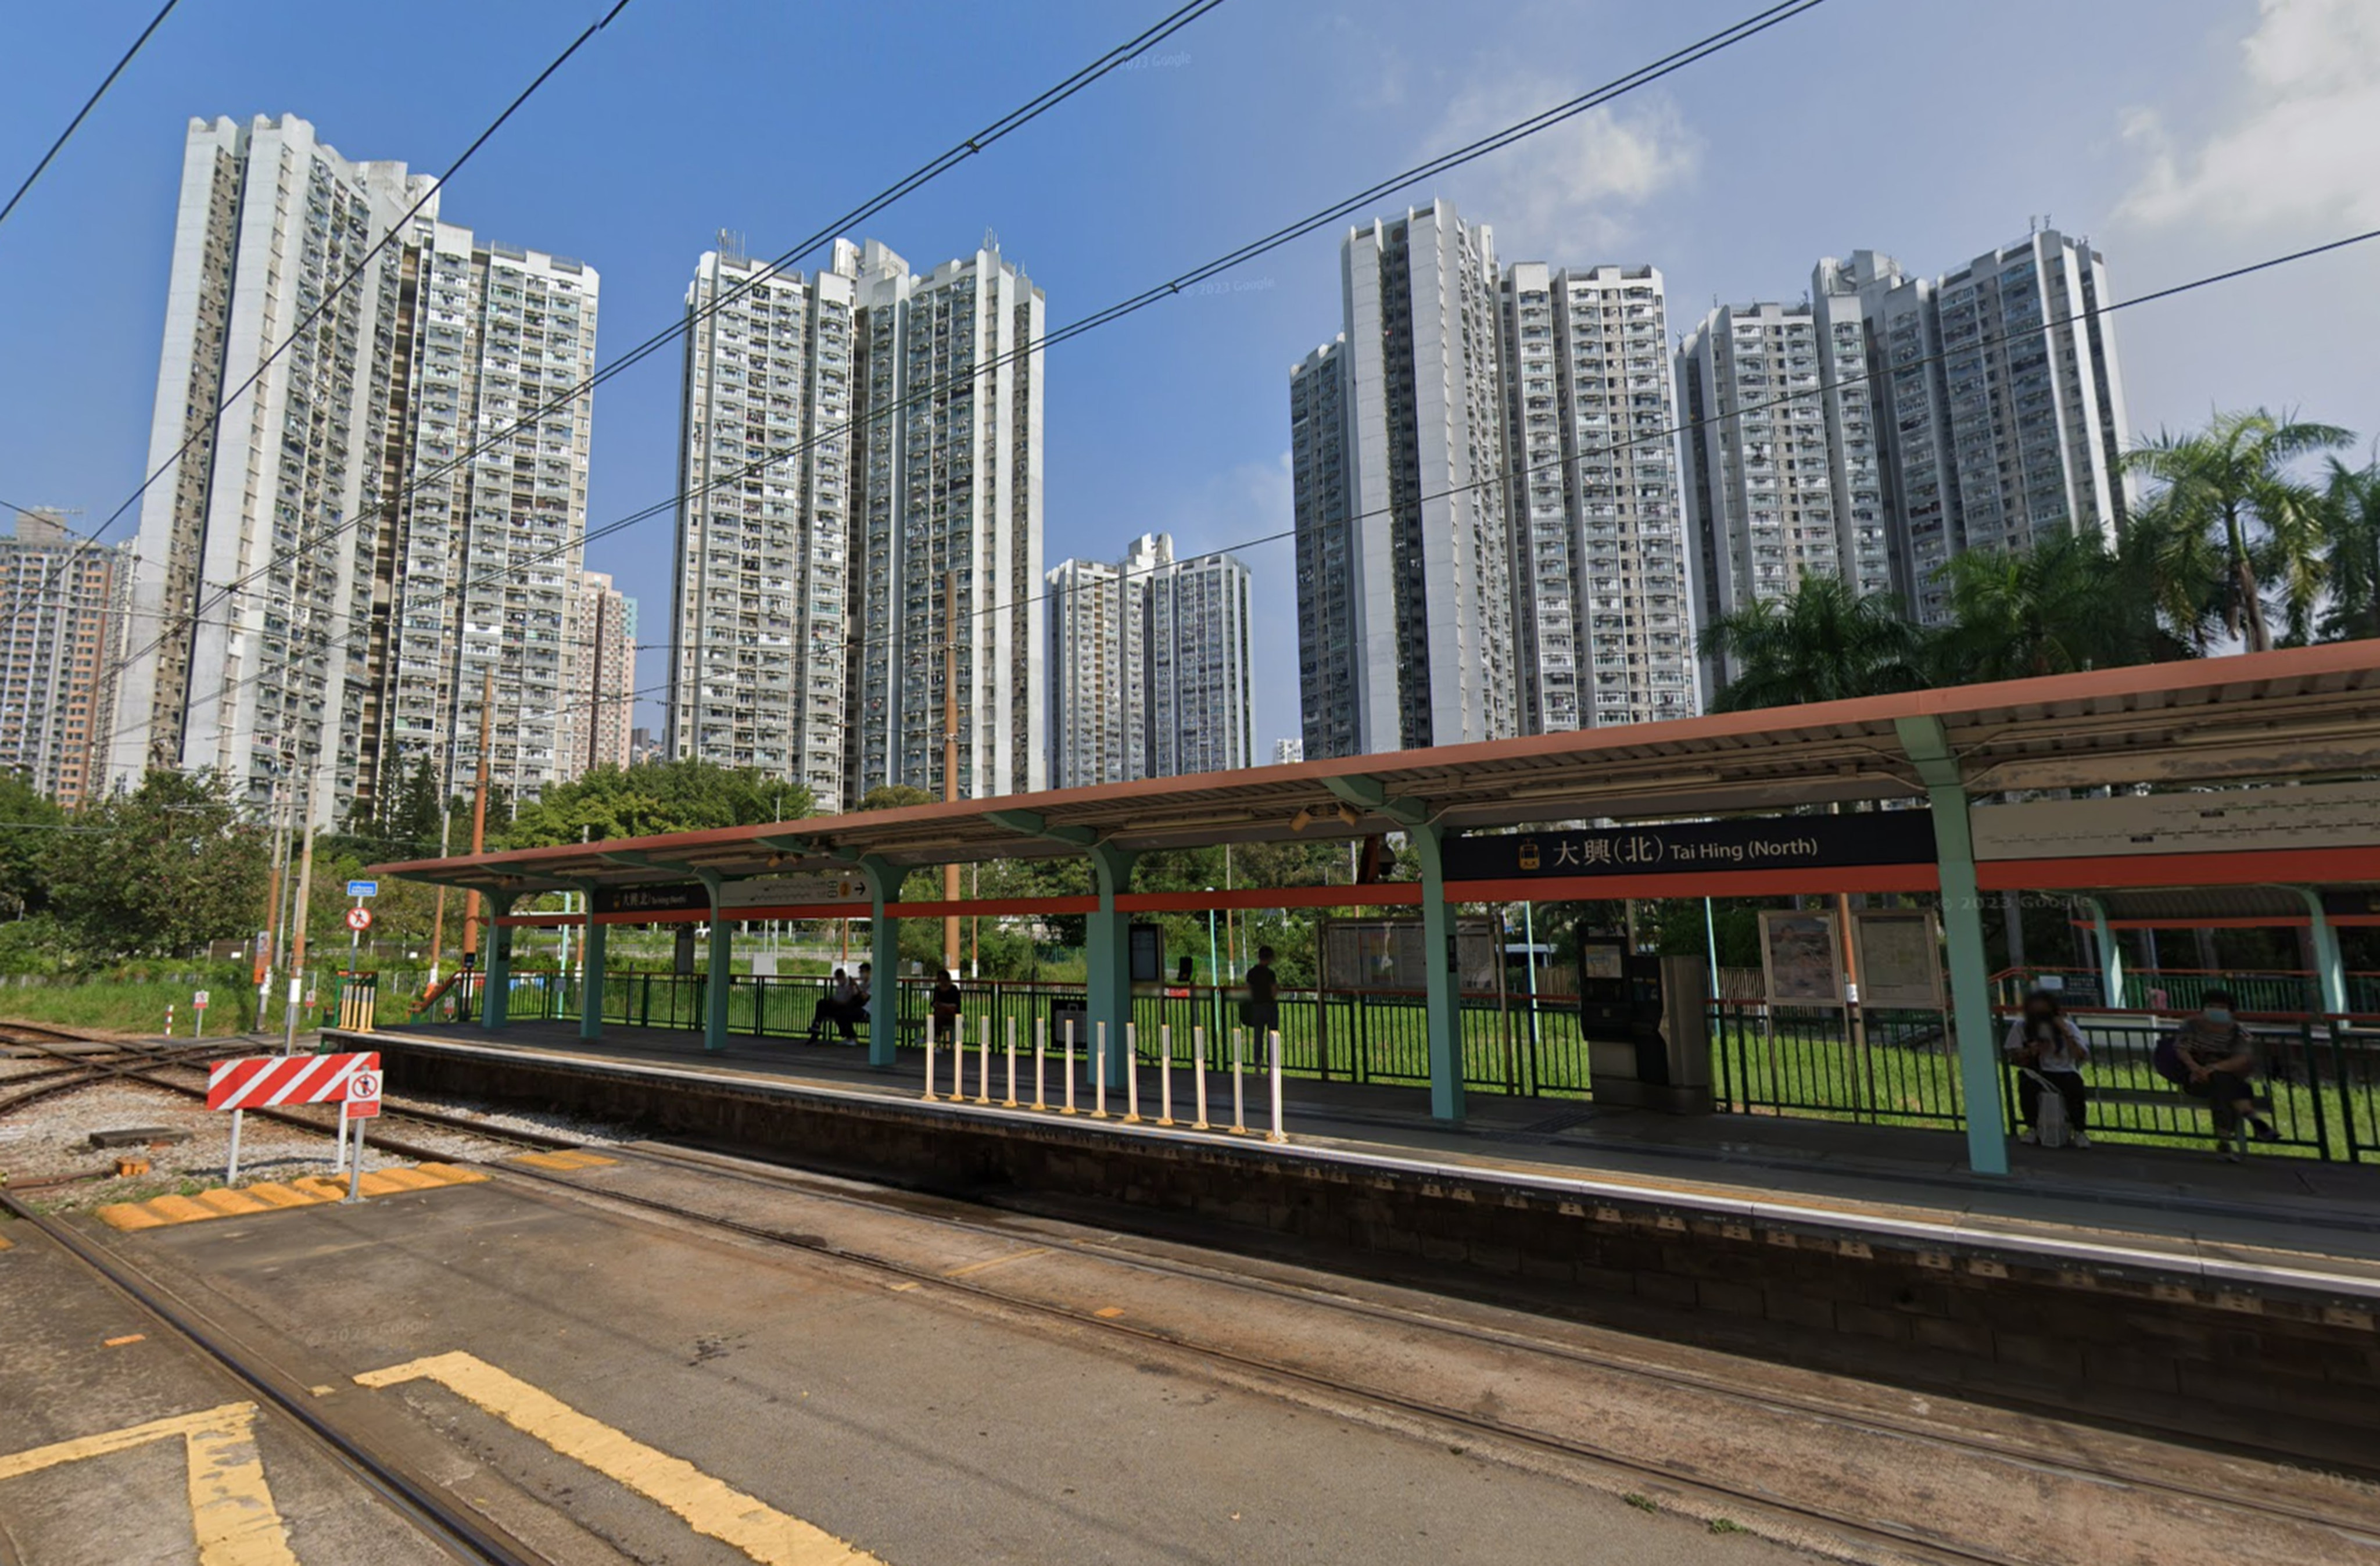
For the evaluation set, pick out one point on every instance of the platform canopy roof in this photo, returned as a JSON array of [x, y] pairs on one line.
[[2297, 714]]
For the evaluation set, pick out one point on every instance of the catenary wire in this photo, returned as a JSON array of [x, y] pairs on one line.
[[89, 103], [933, 168]]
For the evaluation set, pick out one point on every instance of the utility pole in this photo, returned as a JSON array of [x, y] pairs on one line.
[[297, 920], [265, 948], [479, 806], [950, 754]]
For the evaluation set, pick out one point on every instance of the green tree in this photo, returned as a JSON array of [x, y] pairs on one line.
[[2048, 610], [893, 797], [29, 828], [1821, 642], [169, 866], [2231, 484], [2352, 559], [642, 801]]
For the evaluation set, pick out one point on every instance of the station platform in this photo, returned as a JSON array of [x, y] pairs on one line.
[[2183, 1207], [2157, 1288]]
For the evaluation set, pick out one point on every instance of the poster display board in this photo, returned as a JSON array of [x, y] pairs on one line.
[[1898, 954], [1801, 963]]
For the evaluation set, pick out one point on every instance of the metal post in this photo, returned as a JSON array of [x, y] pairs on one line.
[[951, 752], [1010, 1102], [339, 1157], [1165, 1075], [1443, 1002], [1198, 1076], [1069, 1072], [592, 953], [297, 925], [983, 1060], [1099, 1076], [885, 959], [930, 1057], [2330, 968], [2111, 955], [1238, 1102], [1276, 1135], [496, 969], [1107, 952], [1926, 744], [1040, 1056], [356, 1167], [231, 1170], [722, 966], [1132, 1074]]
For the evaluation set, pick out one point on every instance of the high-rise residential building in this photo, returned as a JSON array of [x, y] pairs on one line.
[[1781, 452], [601, 677], [1288, 752], [477, 570], [1998, 399], [1489, 538], [862, 454], [1149, 666], [323, 581], [1601, 603], [949, 459], [1198, 696], [1425, 649], [64, 599], [760, 657]]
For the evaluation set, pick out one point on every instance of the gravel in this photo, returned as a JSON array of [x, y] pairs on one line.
[[50, 1138]]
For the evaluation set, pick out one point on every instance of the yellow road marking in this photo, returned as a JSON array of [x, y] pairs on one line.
[[232, 1511], [709, 1506], [1107, 1313], [567, 1159], [127, 1338], [5, 1243], [997, 1261], [308, 1191]]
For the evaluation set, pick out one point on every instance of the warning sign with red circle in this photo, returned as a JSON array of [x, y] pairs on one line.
[[360, 918]]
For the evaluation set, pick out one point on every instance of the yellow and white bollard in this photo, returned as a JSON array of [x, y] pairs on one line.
[[983, 1060], [930, 1058], [1239, 1061], [1165, 1077], [1276, 1135], [1010, 1102], [1069, 1072], [1100, 1075], [1198, 1075]]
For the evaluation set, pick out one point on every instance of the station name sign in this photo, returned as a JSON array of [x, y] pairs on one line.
[[1770, 843], [762, 892]]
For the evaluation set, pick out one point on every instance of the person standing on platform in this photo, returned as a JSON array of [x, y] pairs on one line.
[[1261, 1010], [2049, 1051]]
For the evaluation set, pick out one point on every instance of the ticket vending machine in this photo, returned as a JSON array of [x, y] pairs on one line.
[[1645, 1021]]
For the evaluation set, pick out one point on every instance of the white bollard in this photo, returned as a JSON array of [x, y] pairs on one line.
[[1041, 1058], [1276, 1135], [1068, 1072], [1165, 1077], [983, 1062], [231, 1170], [1239, 1060], [1132, 1072], [1198, 1075], [1100, 1075], [1010, 1102], [339, 1162], [930, 1057]]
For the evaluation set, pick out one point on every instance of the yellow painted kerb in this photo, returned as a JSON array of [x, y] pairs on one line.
[[709, 1506], [232, 1511]]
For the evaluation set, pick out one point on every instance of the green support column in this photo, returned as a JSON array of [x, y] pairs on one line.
[[496, 991], [2111, 955], [1108, 954], [1442, 999], [1962, 925], [884, 955], [2330, 966], [590, 989], [723, 972]]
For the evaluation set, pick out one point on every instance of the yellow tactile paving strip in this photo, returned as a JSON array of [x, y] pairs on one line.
[[270, 1196], [563, 1160]]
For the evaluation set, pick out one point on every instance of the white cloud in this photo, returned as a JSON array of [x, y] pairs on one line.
[[1563, 194], [2297, 149]]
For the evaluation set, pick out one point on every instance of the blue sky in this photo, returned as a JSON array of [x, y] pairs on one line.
[[2183, 136]]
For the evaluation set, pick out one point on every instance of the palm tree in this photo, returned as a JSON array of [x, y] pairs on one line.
[[2352, 562], [1821, 642], [2048, 610], [2231, 484]]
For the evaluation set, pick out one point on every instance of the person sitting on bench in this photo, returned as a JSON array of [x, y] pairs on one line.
[[835, 1006], [2218, 1059], [2048, 1048]]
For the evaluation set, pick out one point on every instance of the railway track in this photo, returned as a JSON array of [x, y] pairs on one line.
[[1852, 1422], [419, 1499]]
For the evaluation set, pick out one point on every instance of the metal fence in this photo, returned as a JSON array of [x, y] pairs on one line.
[[2167, 990], [2322, 1073]]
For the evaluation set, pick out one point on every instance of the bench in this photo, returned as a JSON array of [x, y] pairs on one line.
[[2155, 1099]]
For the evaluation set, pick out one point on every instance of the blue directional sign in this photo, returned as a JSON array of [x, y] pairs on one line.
[[363, 889]]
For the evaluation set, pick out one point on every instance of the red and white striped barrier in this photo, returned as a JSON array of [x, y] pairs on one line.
[[263, 1081]]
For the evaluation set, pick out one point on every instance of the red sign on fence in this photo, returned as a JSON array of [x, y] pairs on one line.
[[263, 1081]]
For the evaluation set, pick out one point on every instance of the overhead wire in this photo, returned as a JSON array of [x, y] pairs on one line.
[[89, 103]]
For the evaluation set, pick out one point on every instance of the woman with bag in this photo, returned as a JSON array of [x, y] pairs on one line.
[[2049, 1051]]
